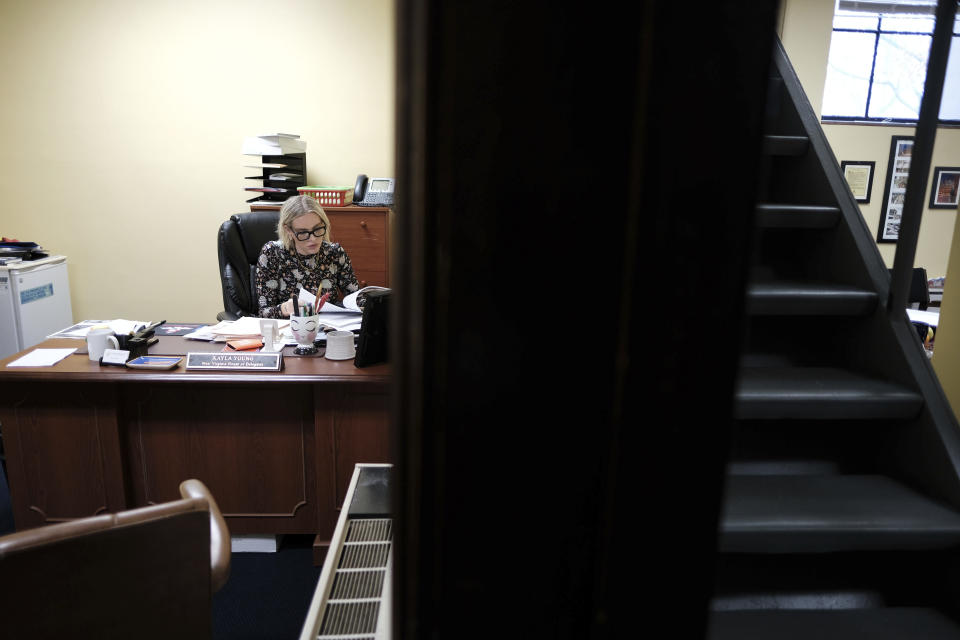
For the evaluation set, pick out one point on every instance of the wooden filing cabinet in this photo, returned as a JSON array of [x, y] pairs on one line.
[[364, 232]]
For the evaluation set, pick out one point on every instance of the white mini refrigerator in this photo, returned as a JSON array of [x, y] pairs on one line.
[[34, 302]]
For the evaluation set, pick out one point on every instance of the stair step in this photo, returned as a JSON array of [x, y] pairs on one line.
[[825, 513], [797, 216], [781, 467], [895, 623], [820, 393], [809, 298], [785, 145]]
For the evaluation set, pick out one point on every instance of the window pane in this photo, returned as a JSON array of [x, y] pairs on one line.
[[848, 74], [918, 24], [843, 20], [898, 76], [950, 102]]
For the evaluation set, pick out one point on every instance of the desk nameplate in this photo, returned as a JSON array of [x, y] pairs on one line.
[[223, 361]]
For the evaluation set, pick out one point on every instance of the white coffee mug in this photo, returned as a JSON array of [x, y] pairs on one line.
[[340, 345], [97, 341]]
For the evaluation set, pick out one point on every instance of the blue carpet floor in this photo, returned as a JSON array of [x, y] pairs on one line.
[[268, 594]]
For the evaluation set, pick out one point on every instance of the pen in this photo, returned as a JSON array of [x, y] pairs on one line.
[[322, 300]]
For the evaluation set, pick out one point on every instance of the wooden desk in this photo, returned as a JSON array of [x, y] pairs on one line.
[[276, 449]]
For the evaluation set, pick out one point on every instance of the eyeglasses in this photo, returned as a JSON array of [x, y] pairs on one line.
[[316, 232]]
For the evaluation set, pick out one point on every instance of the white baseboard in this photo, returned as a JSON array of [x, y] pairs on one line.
[[253, 543]]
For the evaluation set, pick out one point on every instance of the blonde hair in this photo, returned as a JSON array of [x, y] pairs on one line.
[[293, 208]]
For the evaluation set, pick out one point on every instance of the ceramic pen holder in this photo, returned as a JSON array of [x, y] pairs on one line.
[[304, 329]]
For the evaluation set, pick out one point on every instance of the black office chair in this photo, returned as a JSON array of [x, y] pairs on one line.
[[238, 245], [919, 292]]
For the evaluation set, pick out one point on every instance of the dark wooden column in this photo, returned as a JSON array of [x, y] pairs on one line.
[[573, 211]]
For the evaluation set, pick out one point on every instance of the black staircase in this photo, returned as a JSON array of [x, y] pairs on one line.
[[841, 514]]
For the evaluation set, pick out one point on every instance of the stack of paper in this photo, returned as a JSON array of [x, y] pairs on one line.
[[42, 358], [349, 317], [121, 327], [339, 320], [931, 318], [246, 327], [265, 165], [277, 144], [202, 333]]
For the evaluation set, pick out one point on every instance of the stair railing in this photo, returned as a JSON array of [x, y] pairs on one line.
[[922, 153]]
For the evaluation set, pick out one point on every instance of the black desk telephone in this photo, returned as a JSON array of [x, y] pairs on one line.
[[373, 192]]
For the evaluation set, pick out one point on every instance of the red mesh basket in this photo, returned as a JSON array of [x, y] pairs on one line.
[[329, 196]]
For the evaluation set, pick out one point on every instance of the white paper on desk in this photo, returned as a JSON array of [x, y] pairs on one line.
[[332, 309], [78, 330], [286, 337], [349, 302], [306, 297], [42, 358], [201, 333], [122, 327], [926, 317], [340, 321], [245, 326]]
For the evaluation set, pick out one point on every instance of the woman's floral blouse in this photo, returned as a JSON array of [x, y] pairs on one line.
[[281, 273]]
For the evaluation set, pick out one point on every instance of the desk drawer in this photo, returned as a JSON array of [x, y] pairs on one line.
[[365, 237]]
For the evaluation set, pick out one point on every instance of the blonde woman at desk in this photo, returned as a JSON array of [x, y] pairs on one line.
[[302, 257]]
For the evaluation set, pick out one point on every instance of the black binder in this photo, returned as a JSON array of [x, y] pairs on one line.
[[373, 345]]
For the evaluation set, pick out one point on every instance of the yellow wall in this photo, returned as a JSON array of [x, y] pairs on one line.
[[805, 34], [806, 37], [122, 121], [865, 142], [946, 352]]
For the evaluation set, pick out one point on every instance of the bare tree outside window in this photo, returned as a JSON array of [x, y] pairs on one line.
[[877, 67]]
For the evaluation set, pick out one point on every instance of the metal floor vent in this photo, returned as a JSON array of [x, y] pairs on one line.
[[353, 606]]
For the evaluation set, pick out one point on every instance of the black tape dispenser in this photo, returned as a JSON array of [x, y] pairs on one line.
[[139, 343]]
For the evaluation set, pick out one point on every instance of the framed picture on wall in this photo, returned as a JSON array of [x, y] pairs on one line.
[[859, 175], [894, 188], [943, 192]]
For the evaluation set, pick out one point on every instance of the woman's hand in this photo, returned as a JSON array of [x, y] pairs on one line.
[[287, 308]]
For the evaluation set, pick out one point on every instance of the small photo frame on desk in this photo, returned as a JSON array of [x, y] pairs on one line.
[[859, 175], [945, 188]]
